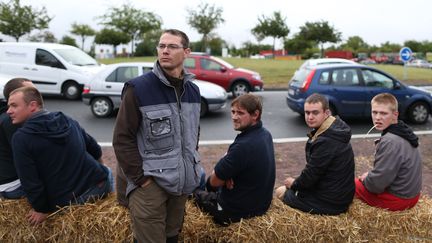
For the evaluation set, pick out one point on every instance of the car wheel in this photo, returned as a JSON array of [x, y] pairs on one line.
[[418, 113], [101, 107], [240, 88], [72, 90], [204, 107]]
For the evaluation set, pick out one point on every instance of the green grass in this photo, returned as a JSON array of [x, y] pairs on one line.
[[277, 73]]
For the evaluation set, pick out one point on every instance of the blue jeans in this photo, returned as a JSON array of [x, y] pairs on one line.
[[15, 194], [98, 191]]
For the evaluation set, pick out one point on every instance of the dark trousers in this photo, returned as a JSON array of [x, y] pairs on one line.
[[310, 204], [207, 202]]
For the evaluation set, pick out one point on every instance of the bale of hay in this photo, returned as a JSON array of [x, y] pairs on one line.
[[361, 223], [105, 221]]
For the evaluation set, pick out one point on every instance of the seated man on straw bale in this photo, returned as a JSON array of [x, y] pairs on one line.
[[395, 180], [325, 186], [241, 184], [10, 185], [55, 158]]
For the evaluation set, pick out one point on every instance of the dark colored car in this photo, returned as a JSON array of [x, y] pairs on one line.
[[239, 81], [350, 88]]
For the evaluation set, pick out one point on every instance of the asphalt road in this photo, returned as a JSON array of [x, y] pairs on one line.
[[277, 118]]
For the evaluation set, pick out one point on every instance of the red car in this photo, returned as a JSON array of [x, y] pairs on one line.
[[239, 81]]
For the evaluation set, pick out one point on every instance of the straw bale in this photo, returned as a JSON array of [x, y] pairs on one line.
[[105, 221], [361, 223]]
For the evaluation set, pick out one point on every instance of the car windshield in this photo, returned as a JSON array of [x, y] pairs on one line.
[[76, 57], [300, 76], [226, 64]]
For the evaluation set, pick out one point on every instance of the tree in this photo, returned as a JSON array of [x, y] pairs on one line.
[[297, 45], [131, 21], [390, 47], [355, 44], [67, 40], [205, 20], [273, 26], [82, 30], [215, 45], [111, 37], [43, 36], [17, 20], [414, 45], [320, 32]]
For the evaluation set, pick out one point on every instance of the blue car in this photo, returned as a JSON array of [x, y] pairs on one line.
[[350, 88]]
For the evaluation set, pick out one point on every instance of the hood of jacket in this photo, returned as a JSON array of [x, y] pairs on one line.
[[402, 130], [52, 125], [332, 127]]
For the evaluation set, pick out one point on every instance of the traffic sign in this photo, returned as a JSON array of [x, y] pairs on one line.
[[405, 54]]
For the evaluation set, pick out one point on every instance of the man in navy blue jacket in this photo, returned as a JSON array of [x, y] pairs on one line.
[[56, 160], [241, 184]]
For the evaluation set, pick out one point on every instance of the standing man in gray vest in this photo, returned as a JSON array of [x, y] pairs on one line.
[[155, 141]]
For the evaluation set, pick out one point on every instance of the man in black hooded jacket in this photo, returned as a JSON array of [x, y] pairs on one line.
[[55, 158], [325, 185]]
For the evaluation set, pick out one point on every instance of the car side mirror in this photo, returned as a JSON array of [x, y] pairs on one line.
[[223, 69], [397, 85]]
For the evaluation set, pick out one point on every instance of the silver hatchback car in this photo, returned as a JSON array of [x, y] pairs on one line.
[[103, 92]]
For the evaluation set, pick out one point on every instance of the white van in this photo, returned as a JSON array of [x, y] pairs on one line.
[[53, 68]]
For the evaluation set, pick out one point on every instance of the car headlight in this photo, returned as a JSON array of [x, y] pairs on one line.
[[256, 76], [220, 93]]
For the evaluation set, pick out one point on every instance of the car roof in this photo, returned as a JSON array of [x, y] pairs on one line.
[[337, 65], [320, 61], [199, 54], [122, 64], [36, 44]]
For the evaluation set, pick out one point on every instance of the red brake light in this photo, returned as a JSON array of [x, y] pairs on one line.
[[308, 81], [86, 90]]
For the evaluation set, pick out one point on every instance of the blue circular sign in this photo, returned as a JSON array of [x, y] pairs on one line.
[[405, 54]]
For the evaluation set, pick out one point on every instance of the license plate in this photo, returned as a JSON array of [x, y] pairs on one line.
[[291, 92]]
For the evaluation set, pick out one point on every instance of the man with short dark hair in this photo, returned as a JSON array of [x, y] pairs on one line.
[[10, 185], [56, 160], [241, 184], [395, 181], [155, 141], [325, 185]]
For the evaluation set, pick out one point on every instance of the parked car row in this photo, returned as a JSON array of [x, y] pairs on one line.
[[103, 92], [350, 87], [419, 63]]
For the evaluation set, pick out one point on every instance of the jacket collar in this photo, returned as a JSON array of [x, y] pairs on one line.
[[251, 128], [157, 70], [324, 126]]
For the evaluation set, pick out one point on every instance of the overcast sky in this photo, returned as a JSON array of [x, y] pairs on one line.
[[376, 21]]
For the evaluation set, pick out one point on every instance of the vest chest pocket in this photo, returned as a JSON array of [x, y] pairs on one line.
[[160, 131]]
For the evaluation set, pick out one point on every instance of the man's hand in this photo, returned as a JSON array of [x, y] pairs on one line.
[[36, 217], [363, 177], [288, 182], [229, 184]]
